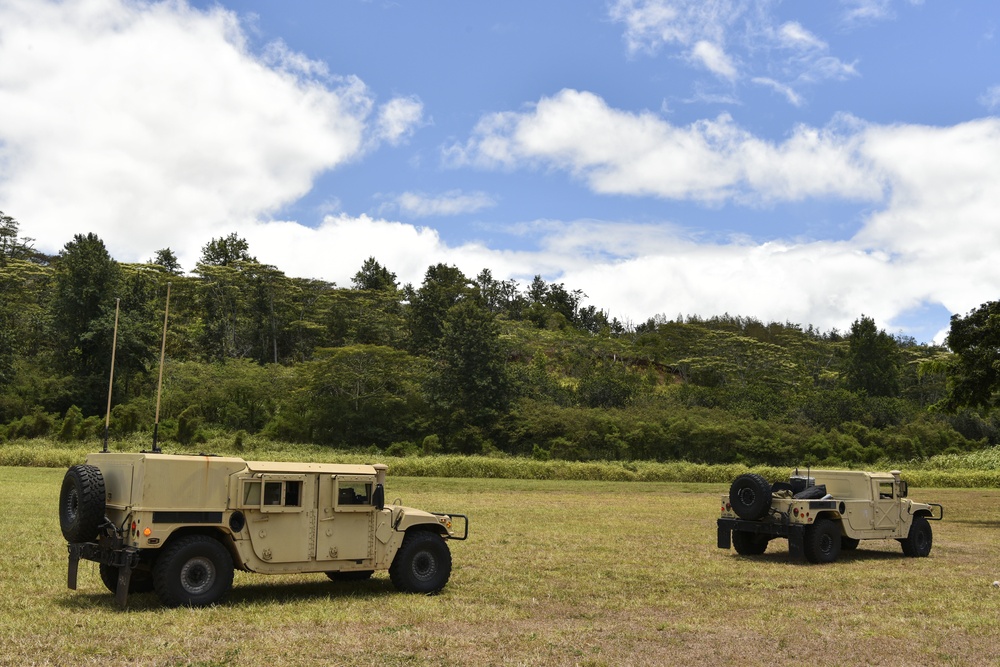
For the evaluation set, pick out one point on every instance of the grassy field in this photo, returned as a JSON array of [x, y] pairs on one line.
[[554, 573]]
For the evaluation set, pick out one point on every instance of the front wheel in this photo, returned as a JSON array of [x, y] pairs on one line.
[[822, 542], [919, 540], [194, 571], [422, 564]]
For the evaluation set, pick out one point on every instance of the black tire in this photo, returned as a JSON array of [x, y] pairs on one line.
[[849, 543], [749, 544], [141, 581], [422, 564], [193, 571], [822, 542], [750, 496], [919, 540], [353, 575], [81, 503]]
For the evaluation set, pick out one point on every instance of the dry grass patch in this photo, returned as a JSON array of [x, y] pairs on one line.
[[554, 573]]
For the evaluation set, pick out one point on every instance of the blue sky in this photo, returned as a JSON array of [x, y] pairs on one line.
[[792, 161]]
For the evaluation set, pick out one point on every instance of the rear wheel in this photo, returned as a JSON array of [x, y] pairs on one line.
[[919, 540], [822, 542], [194, 571], [749, 544], [750, 496], [81, 503], [141, 581], [422, 564]]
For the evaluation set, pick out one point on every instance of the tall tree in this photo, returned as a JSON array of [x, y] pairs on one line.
[[974, 372], [226, 251], [473, 386], [11, 245], [374, 276], [442, 288], [86, 283], [872, 360], [166, 258]]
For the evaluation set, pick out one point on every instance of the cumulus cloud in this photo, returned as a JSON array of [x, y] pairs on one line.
[[102, 128], [619, 152], [932, 225]]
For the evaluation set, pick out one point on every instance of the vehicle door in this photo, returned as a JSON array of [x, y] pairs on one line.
[[345, 528], [886, 505], [281, 516]]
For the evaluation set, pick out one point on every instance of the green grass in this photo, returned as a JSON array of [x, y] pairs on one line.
[[555, 573]]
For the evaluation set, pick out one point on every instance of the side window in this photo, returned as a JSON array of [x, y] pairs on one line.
[[272, 495], [885, 490], [353, 493], [251, 493]]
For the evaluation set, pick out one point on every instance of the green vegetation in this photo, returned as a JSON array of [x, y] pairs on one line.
[[554, 573], [979, 469], [458, 365]]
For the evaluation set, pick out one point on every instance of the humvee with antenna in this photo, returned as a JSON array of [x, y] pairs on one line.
[[180, 525], [823, 513]]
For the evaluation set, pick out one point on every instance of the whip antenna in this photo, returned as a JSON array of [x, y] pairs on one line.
[[111, 382], [159, 384]]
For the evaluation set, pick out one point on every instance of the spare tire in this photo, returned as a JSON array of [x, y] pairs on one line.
[[81, 503], [750, 496]]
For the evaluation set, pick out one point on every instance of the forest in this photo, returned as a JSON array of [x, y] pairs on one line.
[[460, 364]]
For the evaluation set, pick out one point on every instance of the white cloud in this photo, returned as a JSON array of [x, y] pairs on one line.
[[398, 118], [453, 202], [102, 127], [734, 39], [714, 59], [789, 93], [652, 24], [991, 98], [619, 152]]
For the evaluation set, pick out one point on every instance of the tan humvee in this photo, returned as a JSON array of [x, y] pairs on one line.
[[824, 512], [180, 525]]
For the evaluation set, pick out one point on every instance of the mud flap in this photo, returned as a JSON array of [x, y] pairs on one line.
[[725, 536], [74, 566], [796, 541], [124, 579]]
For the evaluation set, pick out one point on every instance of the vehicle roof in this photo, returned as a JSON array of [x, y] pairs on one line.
[[278, 467]]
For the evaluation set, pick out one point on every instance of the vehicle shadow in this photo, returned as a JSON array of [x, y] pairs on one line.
[[255, 592], [859, 554]]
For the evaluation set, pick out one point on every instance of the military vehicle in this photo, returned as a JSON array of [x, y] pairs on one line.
[[824, 512], [180, 525]]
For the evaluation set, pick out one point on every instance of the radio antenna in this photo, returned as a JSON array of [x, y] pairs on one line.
[[159, 383], [111, 382]]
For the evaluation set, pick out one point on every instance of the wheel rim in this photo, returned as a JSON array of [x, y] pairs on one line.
[[197, 575], [826, 544], [424, 566], [72, 505], [747, 496]]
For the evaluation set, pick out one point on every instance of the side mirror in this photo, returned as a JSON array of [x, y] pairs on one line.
[[378, 498], [904, 489]]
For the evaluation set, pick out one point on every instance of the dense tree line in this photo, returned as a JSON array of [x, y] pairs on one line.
[[460, 364]]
